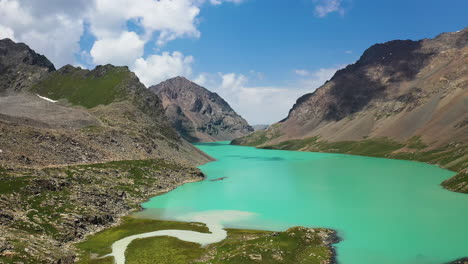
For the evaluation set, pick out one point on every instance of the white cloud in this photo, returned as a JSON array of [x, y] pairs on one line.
[[6, 32], [301, 72], [218, 2], [170, 18], [201, 79], [157, 68], [274, 101], [325, 7], [122, 50], [349, 52], [55, 34], [319, 77], [54, 27]]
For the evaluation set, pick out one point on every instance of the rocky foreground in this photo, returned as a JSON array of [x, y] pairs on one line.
[[44, 212]]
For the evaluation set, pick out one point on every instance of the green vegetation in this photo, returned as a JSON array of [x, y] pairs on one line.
[[416, 143], [381, 147], [259, 137], [92, 129], [452, 157], [163, 250], [296, 245], [63, 204], [13, 184], [80, 87], [100, 244], [457, 183]]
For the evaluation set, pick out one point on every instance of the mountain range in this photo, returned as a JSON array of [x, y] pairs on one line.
[[402, 99]]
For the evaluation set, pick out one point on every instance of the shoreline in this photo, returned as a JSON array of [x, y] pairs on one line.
[[444, 184], [240, 245], [120, 218], [331, 240]]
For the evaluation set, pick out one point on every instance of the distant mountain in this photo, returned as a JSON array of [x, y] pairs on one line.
[[260, 127], [402, 99], [198, 114]]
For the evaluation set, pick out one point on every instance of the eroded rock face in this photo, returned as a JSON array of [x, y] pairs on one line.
[[198, 114], [20, 66], [398, 89]]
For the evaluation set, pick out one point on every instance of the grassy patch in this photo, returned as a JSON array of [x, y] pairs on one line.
[[259, 137], [294, 246], [458, 183], [101, 243], [162, 250], [453, 157], [254, 139], [92, 129], [416, 143], [80, 87], [381, 147], [12, 184]]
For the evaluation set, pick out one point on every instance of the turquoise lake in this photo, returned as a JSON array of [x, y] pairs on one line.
[[386, 211]]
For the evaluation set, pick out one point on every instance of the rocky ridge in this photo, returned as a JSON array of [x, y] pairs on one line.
[[20, 66], [198, 114]]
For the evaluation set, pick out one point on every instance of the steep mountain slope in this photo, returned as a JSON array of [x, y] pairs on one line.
[[403, 99], [20, 66], [117, 119], [198, 114], [78, 150]]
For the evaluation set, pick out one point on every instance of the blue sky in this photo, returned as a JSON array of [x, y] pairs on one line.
[[257, 54]]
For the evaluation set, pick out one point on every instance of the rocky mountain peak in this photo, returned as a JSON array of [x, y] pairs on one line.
[[197, 113], [20, 66], [21, 53]]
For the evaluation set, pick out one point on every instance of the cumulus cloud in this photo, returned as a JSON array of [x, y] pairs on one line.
[[317, 78], [54, 27], [6, 32], [274, 101], [157, 68], [218, 2], [325, 7], [121, 50], [301, 72], [170, 18], [55, 33]]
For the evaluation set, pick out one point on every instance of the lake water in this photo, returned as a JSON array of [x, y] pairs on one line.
[[386, 211]]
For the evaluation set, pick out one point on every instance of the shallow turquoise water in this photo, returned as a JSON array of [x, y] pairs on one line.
[[386, 211]]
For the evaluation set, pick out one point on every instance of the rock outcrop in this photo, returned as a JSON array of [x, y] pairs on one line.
[[411, 95], [20, 66], [198, 114]]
